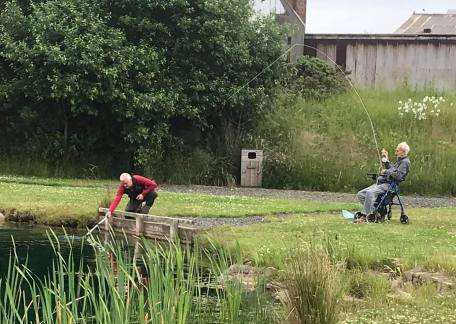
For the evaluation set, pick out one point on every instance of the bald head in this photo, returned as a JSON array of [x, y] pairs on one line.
[[125, 179]]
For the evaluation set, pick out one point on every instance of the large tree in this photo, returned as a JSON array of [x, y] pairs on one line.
[[85, 77]]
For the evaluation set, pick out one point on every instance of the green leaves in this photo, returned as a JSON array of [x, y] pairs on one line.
[[115, 74]]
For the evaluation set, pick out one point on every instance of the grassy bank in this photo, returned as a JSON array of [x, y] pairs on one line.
[[429, 240], [370, 259], [353, 259], [55, 200], [329, 145]]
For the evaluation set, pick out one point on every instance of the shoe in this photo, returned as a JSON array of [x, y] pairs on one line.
[[359, 218], [145, 209]]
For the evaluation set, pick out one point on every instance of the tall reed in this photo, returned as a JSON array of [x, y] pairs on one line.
[[143, 283], [314, 290], [329, 145]]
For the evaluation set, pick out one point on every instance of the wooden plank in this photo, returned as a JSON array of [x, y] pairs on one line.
[[174, 231], [152, 229], [139, 225], [148, 217]]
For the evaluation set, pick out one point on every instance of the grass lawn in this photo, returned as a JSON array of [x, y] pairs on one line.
[[55, 199], [430, 238], [429, 242]]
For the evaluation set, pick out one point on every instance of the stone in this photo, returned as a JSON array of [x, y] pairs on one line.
[[418, 276], [400, 295]]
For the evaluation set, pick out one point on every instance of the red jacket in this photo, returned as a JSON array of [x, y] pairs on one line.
[[149, 185]]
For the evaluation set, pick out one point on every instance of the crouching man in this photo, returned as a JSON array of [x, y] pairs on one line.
[[396, 172], [139, 189]]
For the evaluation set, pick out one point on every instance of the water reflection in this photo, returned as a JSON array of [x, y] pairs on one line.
[[137, 246], [33, 247]]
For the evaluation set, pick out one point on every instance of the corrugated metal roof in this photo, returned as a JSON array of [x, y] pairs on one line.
[[442, 24]]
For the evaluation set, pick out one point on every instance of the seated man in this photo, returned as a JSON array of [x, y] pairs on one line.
[[396, 172], [139, 189]]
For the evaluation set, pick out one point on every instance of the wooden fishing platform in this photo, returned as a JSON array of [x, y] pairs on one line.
[[149, 226]]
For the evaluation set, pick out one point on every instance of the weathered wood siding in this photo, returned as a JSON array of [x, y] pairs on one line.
[[392, 62], [149, 226]]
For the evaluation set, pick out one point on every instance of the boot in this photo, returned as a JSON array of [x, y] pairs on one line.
[[145, 209]]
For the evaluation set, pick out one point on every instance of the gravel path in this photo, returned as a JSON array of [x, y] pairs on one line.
[[409, 201]]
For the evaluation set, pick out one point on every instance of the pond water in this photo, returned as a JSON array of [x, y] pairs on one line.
[[166, 282], [33, 246]]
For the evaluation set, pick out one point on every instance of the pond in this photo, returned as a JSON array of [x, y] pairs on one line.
[[170, 283], [33, 247]]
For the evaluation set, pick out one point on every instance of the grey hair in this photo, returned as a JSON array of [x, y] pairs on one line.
[[125, 176], [405, 147]]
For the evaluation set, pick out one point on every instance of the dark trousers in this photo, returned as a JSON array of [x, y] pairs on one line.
[[135, 206]]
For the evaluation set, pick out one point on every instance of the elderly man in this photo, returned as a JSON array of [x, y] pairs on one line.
[[139, 189], [396, 172]]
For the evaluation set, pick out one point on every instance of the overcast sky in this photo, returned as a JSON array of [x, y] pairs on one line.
[[362, 16]]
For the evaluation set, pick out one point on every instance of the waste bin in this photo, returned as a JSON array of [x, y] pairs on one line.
[[251, 168]]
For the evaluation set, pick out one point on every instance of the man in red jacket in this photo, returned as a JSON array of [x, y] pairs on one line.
[[139, 189]]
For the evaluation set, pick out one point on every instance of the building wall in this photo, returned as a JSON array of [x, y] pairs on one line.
[[292, 14], [294, 18], [392, 63]]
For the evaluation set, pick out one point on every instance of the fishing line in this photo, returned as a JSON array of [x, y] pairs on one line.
[[346, 78]]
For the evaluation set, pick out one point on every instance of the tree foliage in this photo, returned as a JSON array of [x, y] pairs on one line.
[[315, 79], [84, 78]]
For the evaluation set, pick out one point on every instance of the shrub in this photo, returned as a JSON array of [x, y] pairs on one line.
[[313, 78]]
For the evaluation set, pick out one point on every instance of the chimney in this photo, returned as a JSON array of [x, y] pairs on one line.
[[300, 7]]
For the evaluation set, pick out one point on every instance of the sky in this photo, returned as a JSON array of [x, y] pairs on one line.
[[361, 16]]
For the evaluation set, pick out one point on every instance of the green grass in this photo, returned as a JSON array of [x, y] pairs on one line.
[[365, 249], [58, 182], [434, 310], [429, 240], [329, 145], [168, 287], [53, 200]]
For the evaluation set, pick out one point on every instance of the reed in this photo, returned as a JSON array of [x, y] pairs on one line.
[[143, 283]]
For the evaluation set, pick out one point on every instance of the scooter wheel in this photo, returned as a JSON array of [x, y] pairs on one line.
[[404, 219]]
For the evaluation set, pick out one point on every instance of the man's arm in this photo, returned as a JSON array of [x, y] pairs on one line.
[[386, 163], [115, 202], [399, 173], [148, 184]]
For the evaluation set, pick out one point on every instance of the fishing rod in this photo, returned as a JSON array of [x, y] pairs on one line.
[[352, 86], [97, 225], [298, 17]]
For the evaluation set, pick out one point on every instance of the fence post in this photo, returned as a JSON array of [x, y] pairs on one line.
[[107, 224], [139, 225], [174, 230]]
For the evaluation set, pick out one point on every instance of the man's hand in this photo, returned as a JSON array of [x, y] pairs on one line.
[[108, 214], [140, 197], [384, 156]]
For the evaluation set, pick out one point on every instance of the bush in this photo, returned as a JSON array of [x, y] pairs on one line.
[[315, 79], [313, 288], [329, 145]]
